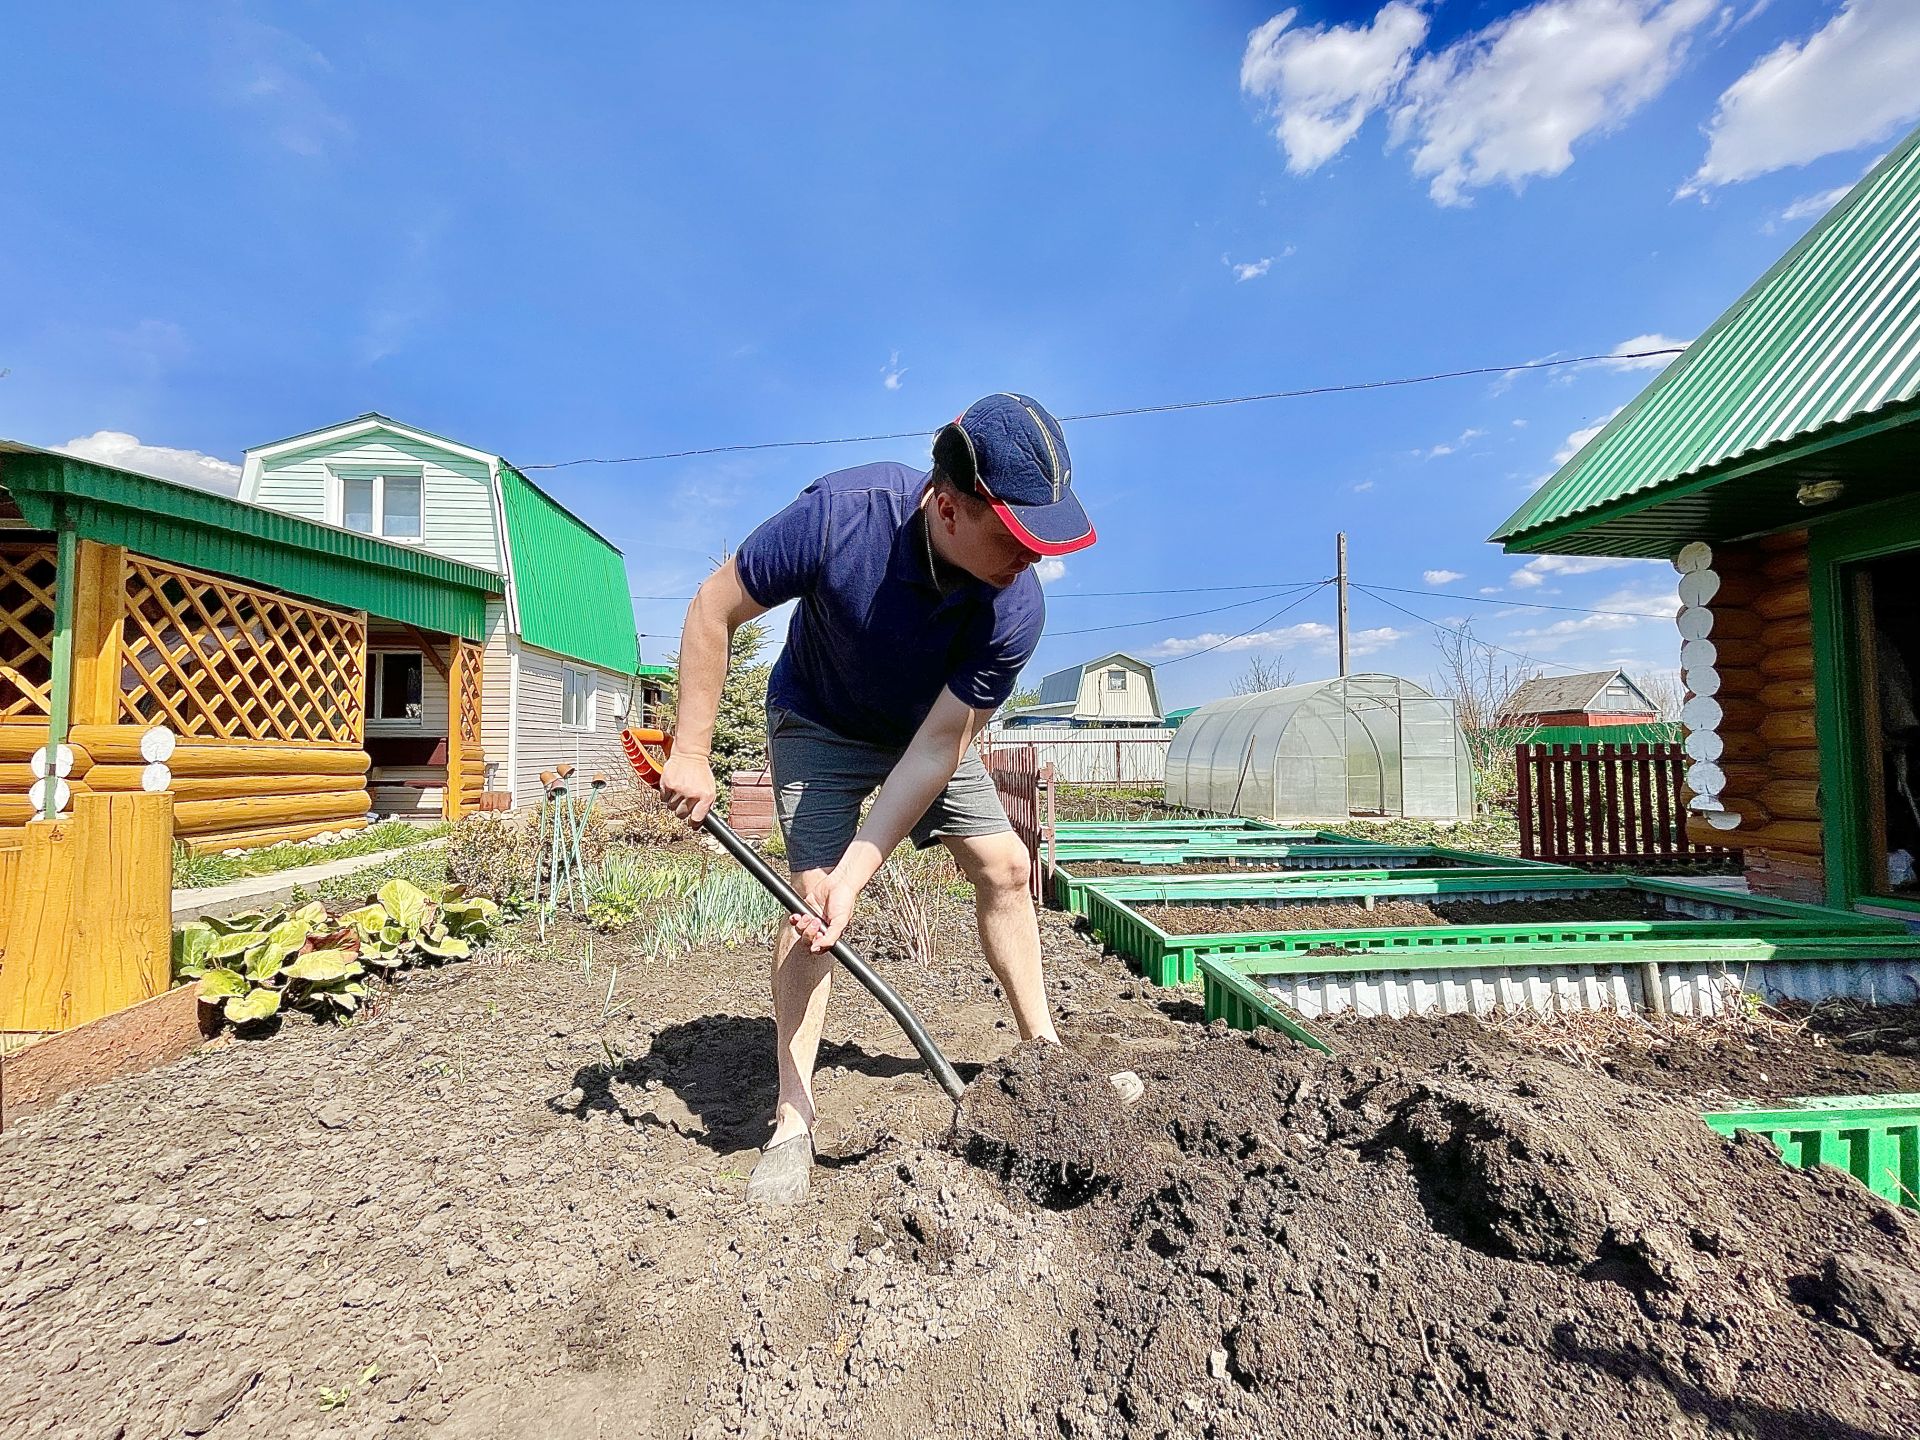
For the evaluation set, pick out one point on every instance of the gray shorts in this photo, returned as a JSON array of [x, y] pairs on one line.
[[820, 781]]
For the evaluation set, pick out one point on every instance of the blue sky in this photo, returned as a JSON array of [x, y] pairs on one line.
[[636, 231]]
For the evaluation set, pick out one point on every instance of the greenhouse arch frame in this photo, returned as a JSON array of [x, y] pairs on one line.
[[1354, 745]]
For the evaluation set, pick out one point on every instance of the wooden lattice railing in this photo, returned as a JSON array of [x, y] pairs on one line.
[[466, 693], [219, 660], [26, 630]]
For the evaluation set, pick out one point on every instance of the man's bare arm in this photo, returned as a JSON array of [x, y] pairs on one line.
[[720, 606]]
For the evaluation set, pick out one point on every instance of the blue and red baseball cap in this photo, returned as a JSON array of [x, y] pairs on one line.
[[1011, 453]]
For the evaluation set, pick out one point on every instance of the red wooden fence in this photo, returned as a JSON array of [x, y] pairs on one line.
[[1606, 805], [1026, 790]]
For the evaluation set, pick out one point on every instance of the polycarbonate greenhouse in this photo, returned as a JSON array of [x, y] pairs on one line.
[[1356, 745]]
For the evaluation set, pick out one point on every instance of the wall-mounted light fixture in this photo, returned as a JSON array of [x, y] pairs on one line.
[[1820, 492]]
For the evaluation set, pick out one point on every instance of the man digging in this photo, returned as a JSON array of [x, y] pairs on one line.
[[918, 608]]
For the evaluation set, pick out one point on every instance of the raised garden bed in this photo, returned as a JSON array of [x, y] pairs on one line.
[[1116, 908], [1078, 866]]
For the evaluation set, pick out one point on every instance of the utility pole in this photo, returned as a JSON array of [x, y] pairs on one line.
[[1340, 580]]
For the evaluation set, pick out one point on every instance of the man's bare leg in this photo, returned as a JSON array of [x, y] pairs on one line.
[[1009, 932], [801, 983]]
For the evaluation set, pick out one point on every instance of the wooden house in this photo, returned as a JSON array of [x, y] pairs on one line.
[[182, 642], [1777, 464], [1116, 689], [560, 656], [1597, 698]]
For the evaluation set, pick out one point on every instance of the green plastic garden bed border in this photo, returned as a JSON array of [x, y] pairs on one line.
[[1169, 959], [1874, 1138], [1152, 835], [1069, 890]]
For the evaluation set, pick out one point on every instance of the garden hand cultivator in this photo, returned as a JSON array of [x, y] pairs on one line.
[[563, 824], [649, 770]]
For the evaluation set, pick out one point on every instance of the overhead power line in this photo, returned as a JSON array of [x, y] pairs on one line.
[[1253, 629], [1526, 604], [1438, 628], [1166, 408], [1190, 614]]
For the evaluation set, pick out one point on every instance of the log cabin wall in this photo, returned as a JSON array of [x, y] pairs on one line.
[[1750, 711]]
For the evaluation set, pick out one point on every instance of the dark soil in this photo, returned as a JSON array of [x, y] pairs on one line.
[[1187, 919], [1090, 869], [1718, 1065], [503, 1205]]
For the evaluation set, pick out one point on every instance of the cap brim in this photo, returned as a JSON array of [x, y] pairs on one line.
[[1057, 529]]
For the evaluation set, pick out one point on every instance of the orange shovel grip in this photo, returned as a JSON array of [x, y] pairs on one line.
[[634, 742]]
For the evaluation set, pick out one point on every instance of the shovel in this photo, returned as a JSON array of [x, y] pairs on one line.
[[649, 770]]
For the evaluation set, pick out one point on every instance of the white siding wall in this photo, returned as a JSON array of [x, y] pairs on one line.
[[1098, 702], [457, 512], [496, 697], [545, 742]]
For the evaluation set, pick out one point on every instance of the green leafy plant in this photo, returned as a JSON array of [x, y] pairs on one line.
[[256, 964], [404, 926], [253, 964]]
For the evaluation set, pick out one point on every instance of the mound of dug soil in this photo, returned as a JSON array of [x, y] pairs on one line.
[[1278, 1243]]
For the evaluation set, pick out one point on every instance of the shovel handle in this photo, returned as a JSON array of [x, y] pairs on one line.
[[635, 743]]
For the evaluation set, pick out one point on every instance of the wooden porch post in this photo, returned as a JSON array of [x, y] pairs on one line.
[[99, 613]]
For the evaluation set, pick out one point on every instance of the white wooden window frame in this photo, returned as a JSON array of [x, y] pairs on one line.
[[337, 498], [569, 674], [1118, 673], [377, 672]]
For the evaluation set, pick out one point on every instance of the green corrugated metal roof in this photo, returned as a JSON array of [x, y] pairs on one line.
[[654, 672], [213, 532], [1824, 346], [569, 584]]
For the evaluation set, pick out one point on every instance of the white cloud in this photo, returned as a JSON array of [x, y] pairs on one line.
[[1624, 610], [891, 372], [1489, 589], [1850, 83], [1575, 442], [1519, 424], [1812, 207], [1441, 577], [1536, 570], [1509, 102], [1049, 569], [1362, 487], [1250, 270], [1309, 635], [283, 80], [1320, 83], [1447, 447], [1633, 354], [187, 467]]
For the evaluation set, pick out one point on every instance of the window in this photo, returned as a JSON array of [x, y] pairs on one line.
[[1116, 679], [385, 505], [576, 700], [394, 686]]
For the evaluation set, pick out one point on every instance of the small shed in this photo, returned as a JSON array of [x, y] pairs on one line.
[[1777, 464], [1599, 697], [1116, 689], [1354, 745]]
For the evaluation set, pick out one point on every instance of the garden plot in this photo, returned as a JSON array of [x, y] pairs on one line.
[[1584, 940], [504, 1202], [1078, 865]]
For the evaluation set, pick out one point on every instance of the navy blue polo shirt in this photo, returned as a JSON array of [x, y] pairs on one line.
[[873, 640]]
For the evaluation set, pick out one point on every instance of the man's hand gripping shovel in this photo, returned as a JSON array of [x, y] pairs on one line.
[[635, 742]]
